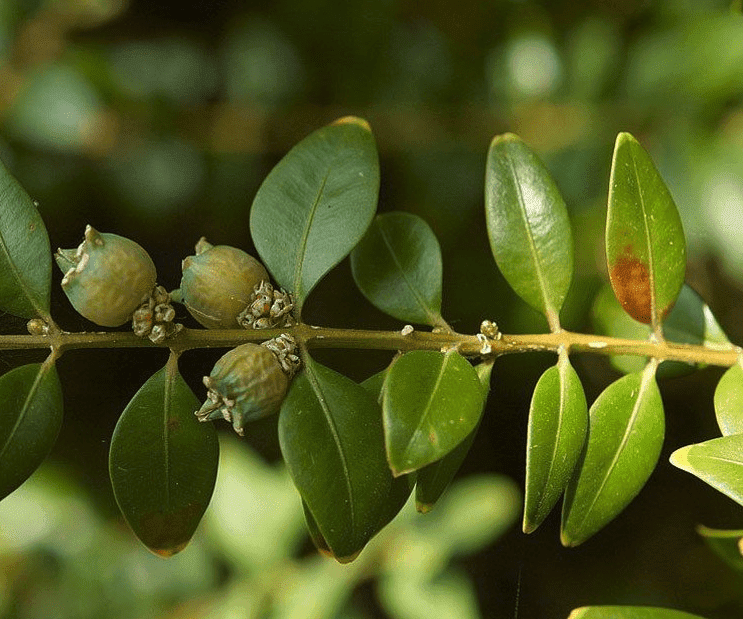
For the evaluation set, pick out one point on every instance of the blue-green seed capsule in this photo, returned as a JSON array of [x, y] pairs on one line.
[[217, 284], [245, 384], [107, 277]]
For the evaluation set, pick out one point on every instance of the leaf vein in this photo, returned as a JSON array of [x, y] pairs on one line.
[[302, 248]]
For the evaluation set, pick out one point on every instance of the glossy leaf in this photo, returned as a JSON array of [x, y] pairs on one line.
[[25, 256], [528, 226], [31, 417], [558, 422], [330, 431], [719, 462], [625, 436], [315, 535], [316, 204], [729, 401], [435, 478], [431, 402], [690, 322], [397, 266], [645, 245], [402, 486], [163, 463], [629, 612]]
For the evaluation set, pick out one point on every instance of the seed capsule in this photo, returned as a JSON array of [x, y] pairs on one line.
[[245, 384], [217, 284], [107, 277]]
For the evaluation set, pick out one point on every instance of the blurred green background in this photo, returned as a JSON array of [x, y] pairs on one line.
[[158, 120]]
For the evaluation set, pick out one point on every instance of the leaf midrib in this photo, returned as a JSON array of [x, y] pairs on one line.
[[24, 409], [427, 408], [647, 378], [432, 317], [315, 384], [13, 268], [536, 260], [167, 401], [649, 244], [303, 240]]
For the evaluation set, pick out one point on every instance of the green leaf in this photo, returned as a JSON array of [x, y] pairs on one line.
[[726, 544], [625, 436], [163, 463], [401, 486], [375, 383], [558, 422], [629, 612], [315, 535], [434, 478], [645, 245], [430, 403], [690, 322], [397, 266], [718, 462], [25, 256], [729, 400], [316, 204], [528, 226], [330, 431], [31, 397]]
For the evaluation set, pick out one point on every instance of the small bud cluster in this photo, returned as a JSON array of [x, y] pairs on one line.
[[268, 308], [154, 318], [285, 348]]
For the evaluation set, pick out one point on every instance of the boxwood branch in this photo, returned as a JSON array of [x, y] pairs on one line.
[[328, 337]]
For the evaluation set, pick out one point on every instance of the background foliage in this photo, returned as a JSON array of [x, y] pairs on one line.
[[158, 121]]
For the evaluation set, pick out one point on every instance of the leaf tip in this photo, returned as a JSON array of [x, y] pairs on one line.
[[166, 553], [504, 138], [348, 558], [624, 137], [568, 541], [352, 120], [679, 458], [423, 508], [529, 526]]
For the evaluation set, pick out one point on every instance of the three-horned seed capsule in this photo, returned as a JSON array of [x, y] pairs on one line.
[[217, 284], [246, 384], [107, 277]]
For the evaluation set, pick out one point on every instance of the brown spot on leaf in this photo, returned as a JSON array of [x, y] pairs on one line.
[[174, 424], [630, 280], [166, 534]]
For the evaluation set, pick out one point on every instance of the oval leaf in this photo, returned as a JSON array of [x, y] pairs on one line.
[[528, 226], [558, 421], [729, 401], [316, 204], [330, 431], [401, 487], [397, 266], [436, 477], [690, 322], [718, 462], [30, 422], [315, 535], [25, 256], [625, 435], [430, 403], [163, 463], [645, 245], [629, 612]]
